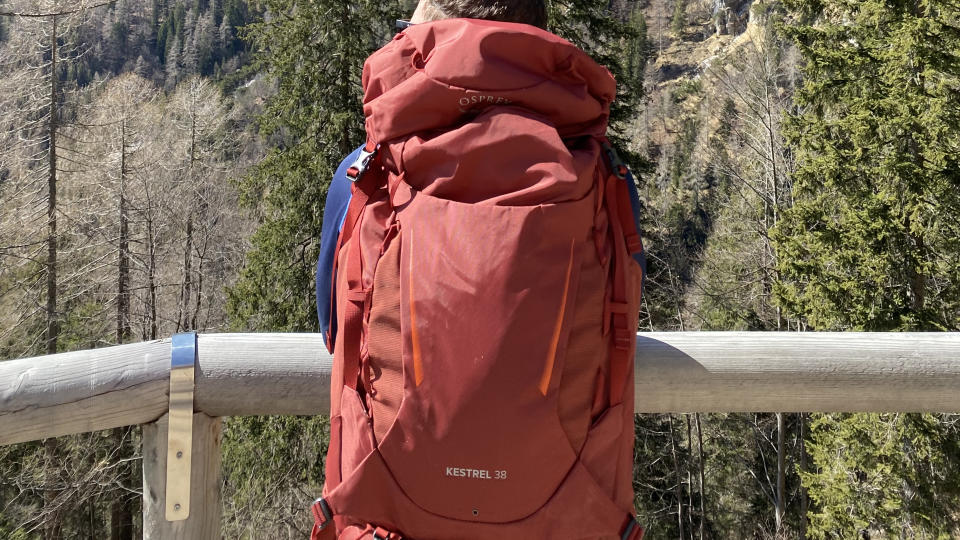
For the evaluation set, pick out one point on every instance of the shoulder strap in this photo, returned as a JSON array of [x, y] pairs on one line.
[[357, 300], [617, 309]]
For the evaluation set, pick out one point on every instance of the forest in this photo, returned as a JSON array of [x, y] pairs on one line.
[[164, 166]]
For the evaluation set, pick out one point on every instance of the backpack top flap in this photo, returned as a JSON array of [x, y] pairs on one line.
[[480, 111]]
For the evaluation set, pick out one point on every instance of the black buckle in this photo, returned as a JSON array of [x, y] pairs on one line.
[[325, 511], [617, 165], [632, 526]]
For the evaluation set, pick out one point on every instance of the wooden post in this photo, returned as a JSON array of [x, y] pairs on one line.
[[204, 520]]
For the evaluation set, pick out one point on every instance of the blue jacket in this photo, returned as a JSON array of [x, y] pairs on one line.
[[334, 213]]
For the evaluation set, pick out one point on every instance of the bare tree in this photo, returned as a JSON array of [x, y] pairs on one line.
[[112, 136], [198, 118], [34, 62], [755, 159]]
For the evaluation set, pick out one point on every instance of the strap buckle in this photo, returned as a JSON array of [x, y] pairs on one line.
[[617, 165], [321, 514], [623, 337], [355, 171], [634, 243], [382, 534], [633, 531]]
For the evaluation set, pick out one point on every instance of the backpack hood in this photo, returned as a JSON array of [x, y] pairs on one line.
[[482, 111], [439, 74]]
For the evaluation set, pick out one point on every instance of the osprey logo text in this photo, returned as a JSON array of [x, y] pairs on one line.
[[469, 102], [479, 474]]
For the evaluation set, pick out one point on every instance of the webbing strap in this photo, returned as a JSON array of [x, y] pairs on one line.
[[632, 530], [357, 297], [354, 173], [624, 208], [623, 226], [620, 360], [625, 212]]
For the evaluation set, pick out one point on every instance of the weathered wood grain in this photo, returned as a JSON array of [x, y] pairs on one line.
[[237, 374], [253, 374], [798, 372], [60, 394], [203, 523]]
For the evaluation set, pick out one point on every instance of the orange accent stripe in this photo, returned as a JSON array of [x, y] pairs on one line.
[[552, 353], [414, 333]]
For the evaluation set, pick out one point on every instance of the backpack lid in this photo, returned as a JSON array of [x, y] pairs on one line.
[[482, 111], [438, 74]]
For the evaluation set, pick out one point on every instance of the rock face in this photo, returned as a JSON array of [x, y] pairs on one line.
[[731, 16]]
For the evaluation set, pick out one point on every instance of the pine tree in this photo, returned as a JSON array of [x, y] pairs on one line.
[[597, 29], [173, 63], [315, 52], [873, 242], [679, 21], [638, 48]]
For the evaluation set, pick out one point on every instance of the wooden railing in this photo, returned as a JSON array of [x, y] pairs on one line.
[[289, 374]]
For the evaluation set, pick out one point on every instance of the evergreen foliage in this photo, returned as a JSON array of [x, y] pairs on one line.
[[597, 29], [679, 20], [872, 242], [894, 475], [638, 50], [315, 52], [198, 38]]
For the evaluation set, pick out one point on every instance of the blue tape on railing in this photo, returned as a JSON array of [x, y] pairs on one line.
[[183, 350]]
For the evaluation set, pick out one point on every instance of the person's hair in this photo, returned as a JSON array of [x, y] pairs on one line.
[[532, 12]]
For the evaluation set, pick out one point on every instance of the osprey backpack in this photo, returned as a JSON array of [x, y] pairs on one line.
[[487, 291]]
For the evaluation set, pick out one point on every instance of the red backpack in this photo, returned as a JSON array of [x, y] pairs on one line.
[[487, 298]]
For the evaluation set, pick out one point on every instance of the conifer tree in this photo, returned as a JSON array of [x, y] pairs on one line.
[[315, 52], [597, 29], [873, 242]]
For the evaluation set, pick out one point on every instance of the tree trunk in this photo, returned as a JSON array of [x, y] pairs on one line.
[[52, 520], [183, 320], [781, 474], [201, 205], [121, 511], [123, 255], [678, 481], [152, 277], [700, 466], [804, 502], [689, 475], [121, 508], [53, 326]]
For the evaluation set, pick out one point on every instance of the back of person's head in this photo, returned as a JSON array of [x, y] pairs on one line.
[[532, 12]]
